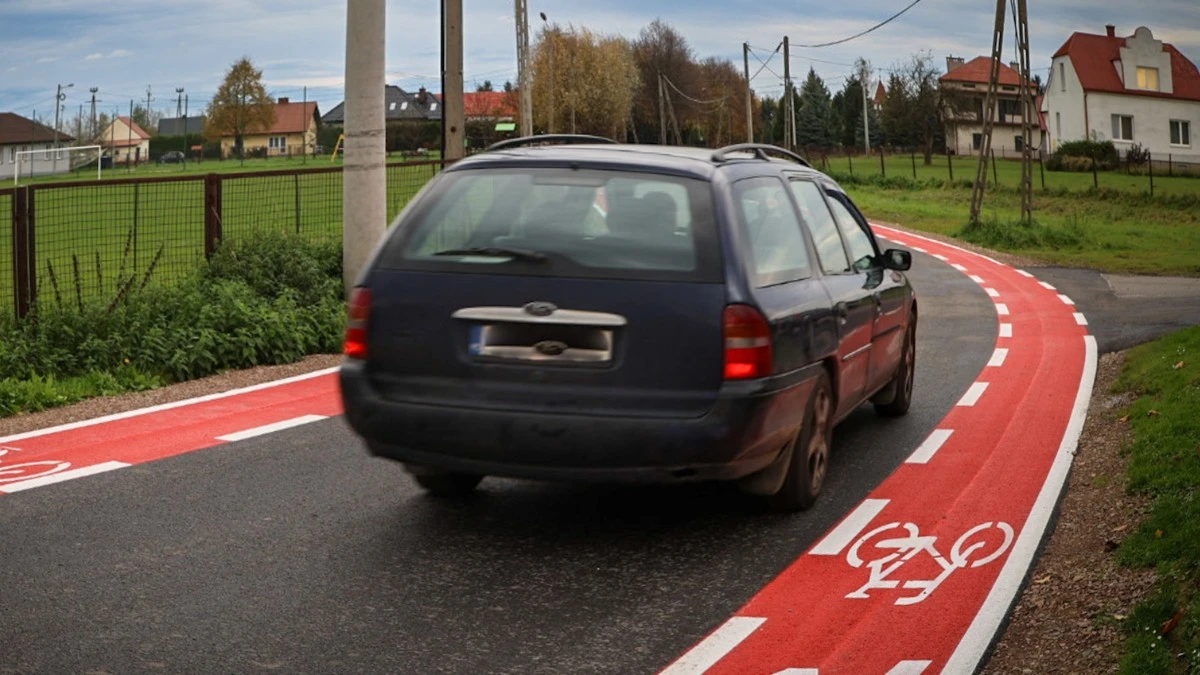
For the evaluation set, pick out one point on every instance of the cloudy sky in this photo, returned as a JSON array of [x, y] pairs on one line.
[[124, 47]]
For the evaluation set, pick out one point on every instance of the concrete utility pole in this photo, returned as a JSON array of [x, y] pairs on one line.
[[788, 131], [553, 85], [662, 111], [94, 130], [59, 97], [989, 114], [453, 115], [863, 77], [148, 100], [364, 177], [178, 102], [524, 81], [749, 94]]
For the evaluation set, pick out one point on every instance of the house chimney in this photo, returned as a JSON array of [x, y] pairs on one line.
[[953, 62], [1111, 29], [283, 99], [1015, 66], [422, 95]]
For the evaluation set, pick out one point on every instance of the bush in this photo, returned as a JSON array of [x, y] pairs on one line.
[[233, 313], [1078, 156]]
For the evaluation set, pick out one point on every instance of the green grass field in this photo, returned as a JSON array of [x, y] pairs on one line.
[[901, 166], [1105, 230], [88, 236]]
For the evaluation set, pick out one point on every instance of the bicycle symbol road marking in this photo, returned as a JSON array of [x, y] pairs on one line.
[[903, 548], [12, 473]]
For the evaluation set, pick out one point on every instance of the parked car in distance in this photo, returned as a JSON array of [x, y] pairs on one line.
[[568, 308], [172, 157]]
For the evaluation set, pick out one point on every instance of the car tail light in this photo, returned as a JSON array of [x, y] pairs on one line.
[[355, 345], [747, 343]]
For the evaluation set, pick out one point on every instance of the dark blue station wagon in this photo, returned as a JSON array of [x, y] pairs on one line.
[[567, 308]]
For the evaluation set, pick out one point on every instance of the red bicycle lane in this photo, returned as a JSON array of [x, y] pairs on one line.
[[919, 576], [47, 456]]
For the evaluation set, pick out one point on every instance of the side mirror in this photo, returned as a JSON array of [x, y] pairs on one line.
[[896, 259]]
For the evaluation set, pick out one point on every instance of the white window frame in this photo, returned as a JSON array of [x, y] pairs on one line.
[[1062, 76], [1183, 125], [1058, 124], [1118, 127]]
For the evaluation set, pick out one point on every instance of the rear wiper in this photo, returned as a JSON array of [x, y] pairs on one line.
[[496, 252]]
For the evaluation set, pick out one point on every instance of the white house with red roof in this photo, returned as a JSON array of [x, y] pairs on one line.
[[967, 83], [126, 141], [1130, 90]]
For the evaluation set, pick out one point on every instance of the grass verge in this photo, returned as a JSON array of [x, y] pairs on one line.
[[1106, 229], [1164, 630]]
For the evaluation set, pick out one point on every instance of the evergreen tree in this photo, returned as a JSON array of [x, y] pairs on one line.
[[814, 113]]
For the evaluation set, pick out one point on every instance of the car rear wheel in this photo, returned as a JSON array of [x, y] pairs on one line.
[[902, 383], [810, 453], [448, 484]]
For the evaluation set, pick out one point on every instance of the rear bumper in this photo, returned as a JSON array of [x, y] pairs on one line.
[[743, 432]]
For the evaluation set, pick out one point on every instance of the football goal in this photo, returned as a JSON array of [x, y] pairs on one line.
[[49, 160]]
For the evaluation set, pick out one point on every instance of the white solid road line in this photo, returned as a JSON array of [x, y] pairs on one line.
[[1006, 330], [714, 647], [1001, 309], [271, 428], [62, 476], [998, 357], [909, 668], [976, 278], [984, 627], [846, 531], [929, 448], [973, 393], [958, 267], [1080, 319], [992, 292], [166, 406], [1066, 299]]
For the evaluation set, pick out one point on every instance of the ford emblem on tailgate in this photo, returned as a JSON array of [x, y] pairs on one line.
[[540, 308], [550, 347]]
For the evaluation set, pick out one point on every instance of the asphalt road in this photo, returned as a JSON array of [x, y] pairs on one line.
[[298, 553], [1125, 311]]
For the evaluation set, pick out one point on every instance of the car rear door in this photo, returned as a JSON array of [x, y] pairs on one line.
[[849, 290], [552, 290]]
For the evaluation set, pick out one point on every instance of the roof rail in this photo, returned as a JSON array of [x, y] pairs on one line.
[[547, 138], [759, 150]]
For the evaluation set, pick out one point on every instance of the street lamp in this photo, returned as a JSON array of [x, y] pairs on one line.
[[59, 97], [553, 84]]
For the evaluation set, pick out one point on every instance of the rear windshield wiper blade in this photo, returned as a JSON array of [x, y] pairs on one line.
[[496, 252]]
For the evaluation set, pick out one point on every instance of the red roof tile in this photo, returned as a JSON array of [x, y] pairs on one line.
[[880, 94], [487, 104], [15, 129], [137, 130], [978, 71], [292, 118], [1093, 57]]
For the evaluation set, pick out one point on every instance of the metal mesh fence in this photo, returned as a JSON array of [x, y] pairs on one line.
[[7, 289], [93, 241]]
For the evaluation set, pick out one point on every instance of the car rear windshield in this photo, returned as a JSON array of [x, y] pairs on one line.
[[560, 222]]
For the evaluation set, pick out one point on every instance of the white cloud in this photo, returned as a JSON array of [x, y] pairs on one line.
[[93, 57], [118, 53]]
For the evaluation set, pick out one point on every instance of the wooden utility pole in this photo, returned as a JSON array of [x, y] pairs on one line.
[[863, 77], [662, 111], [989, 114], [1027, 113], [749, 94], [788, 131], [453, 115]]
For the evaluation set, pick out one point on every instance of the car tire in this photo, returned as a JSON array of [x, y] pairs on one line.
[[810, 453], [902, 382], [448, 484]]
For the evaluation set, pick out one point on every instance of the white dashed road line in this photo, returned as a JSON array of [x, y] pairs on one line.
[[998, 357], [714, 647], [929, 448], [1006, 330], [973, 393], [846, 531], [1080, 319], [271, 428], [1066, 299], [1001, 309]]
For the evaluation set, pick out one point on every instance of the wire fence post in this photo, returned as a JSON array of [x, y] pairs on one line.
[[296, 188], [851, 158], [950, 164], [23, 270], [995, 174], [1170, 164], [1042, 169], [1095, 173], [1150, 168], [135, 224], [882, 165], [212, 214], [914, 163]]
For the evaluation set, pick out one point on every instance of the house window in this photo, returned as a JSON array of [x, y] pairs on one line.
[[977, 141], [1062, 76], [392, 106], [404, 105], [1058, 124], [1147, 78], [277, 143], [1181, 132], [1122, 127], [1019, 143]]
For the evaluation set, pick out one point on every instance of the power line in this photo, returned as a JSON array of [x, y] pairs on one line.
[[869, 30], [714, 101], [764, 63]]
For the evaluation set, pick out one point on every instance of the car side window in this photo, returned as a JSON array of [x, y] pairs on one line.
[[772, 230], [862, 250], [815, 213]]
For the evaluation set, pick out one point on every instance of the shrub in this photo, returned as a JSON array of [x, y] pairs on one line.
[[1078, 156]]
